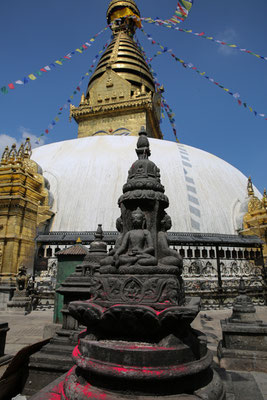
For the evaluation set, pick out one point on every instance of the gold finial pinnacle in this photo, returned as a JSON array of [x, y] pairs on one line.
[[20, 154], [27, 148], [13, 153], [118, 14], [82, 99], [79, 240], [5, 156], [250, 187]]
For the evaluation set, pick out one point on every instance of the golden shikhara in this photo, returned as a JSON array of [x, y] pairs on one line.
[[24, 205], [121, 94]]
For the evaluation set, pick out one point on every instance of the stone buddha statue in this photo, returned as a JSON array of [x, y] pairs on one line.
[[109, 260], [137, 245], [136, 248], [166, 255]]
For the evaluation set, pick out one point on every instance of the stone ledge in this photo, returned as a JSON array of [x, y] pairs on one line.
[[242, 360]]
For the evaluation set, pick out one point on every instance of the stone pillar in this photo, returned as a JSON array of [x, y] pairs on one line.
[[3, 332]]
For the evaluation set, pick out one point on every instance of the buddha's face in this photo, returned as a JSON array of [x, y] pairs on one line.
[[137, 220], [167, 223], [119, 224]]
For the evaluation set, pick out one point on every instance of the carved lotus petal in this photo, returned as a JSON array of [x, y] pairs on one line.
[[85, 312]]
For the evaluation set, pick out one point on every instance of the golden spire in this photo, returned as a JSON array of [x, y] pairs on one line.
[[121, 84], [250, 187], [27, 148], [20, 155], [13, 154], [123, 55], [5, 156]]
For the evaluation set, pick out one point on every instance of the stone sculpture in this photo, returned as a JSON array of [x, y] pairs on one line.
[[138, 339], [244, 343], [22, 278], [167, 256], [21, 302]]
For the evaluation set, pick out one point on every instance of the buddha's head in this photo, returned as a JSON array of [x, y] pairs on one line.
[[119, 225], [166, 223], [138, 218]]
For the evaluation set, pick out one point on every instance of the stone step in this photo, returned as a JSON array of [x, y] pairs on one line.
[[50, 361], [58, 349], [61, 340]]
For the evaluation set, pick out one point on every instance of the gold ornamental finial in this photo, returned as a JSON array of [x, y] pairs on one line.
[[13, 154], [250, 187], [124, 15], [20, 154], [5, 156], [27, 148], [79, 240], [82, 99]]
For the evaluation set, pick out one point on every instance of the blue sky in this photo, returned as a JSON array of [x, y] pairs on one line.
[[34, 34]]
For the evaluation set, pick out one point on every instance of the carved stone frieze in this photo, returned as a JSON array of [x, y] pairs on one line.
[[128, 289]]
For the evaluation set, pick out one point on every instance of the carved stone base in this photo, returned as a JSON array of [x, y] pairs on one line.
[[242, 360], [165, 379], [146, 289], [134, 320], [141, 350], [55, 390], [6, 293], [20, 302], [244, 344]]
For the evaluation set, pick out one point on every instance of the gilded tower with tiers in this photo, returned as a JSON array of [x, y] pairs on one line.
[[24, 206], [121, 94]]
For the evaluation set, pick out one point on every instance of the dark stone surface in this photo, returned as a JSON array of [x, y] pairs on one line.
[[55, 358], [239, 386], [3, 331], [244, 343], [4, 358]]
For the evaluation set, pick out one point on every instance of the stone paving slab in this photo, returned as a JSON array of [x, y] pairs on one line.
[[261, 380], [24, 329]]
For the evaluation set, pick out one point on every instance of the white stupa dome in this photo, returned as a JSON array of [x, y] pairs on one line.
[[86, 177]]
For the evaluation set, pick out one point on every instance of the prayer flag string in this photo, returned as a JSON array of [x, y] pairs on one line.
[[164, 103], [180, 14], [159, 22], [76, 91], [235, 95], [51, 66]]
